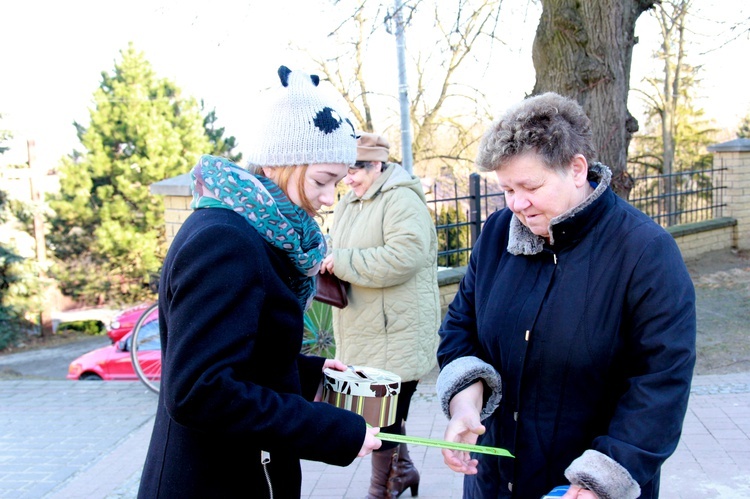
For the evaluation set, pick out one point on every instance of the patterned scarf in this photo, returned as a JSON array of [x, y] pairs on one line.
[[219, 183]]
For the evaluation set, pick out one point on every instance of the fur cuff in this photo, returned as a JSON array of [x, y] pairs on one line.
[[603, 476], [457, 373]]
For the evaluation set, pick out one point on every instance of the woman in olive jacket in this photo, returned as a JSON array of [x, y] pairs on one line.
[[385, 247], [572, 335], [236, 408]]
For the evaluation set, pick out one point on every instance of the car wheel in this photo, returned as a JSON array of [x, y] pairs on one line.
[[90, 377]]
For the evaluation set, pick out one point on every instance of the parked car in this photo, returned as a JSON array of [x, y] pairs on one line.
[[124, 321], [113, 362]]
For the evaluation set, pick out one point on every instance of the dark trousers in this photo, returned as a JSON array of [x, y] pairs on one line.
[[402, 411]]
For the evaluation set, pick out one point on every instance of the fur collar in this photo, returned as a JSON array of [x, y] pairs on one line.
[[522, 241]]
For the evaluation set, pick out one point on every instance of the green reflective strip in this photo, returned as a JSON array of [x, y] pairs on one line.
[[443, 444]]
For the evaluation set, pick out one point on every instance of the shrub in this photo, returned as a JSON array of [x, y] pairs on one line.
[[90, 327]]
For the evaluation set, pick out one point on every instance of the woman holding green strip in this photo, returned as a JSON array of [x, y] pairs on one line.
[[571, 339], [237, 406]]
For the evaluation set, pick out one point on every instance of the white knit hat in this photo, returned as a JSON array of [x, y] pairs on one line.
[[301, 127]]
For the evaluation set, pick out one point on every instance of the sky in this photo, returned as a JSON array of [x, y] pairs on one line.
[[226, 52]]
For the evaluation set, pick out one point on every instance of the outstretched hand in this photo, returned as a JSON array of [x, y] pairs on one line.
[[464, 426]]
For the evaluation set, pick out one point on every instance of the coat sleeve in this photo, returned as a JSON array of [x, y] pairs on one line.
[[660, 315], [459, 354], [216, 292], [407, 236]]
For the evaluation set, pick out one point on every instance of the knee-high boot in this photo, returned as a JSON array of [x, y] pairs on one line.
[[405, 475], [383, 468]]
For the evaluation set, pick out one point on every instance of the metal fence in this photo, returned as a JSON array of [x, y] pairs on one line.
[[459, 218], [678, 198]]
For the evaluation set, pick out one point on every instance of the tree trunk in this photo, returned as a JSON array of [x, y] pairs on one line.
[[583, 50]]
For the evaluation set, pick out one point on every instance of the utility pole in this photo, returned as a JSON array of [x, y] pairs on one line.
[[403, 90], [35, 178], [35, 184]]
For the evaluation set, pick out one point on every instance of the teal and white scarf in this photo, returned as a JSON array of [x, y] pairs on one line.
[[219, 183]]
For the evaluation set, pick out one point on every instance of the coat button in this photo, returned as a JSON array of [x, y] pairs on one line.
[[515, 416], [510, 486]]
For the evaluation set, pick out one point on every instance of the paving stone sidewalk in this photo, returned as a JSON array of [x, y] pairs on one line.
[[66, 440]]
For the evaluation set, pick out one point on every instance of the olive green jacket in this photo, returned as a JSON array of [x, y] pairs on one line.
[[385, 247]]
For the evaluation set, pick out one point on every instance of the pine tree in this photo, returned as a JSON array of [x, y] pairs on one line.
[[453, 234], [107, 233], [4, 136], [19, 284], [743, 132], [221, 146]]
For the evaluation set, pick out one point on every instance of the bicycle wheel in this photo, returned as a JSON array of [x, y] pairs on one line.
[[318, 333], [145, 348]]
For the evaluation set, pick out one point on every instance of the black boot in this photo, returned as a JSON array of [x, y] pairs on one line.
[[383, 468]]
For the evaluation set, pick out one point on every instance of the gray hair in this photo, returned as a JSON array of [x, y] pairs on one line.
[[550, 125]]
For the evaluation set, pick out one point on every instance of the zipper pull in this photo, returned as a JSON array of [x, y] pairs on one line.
[[265, 458], [554, 256]]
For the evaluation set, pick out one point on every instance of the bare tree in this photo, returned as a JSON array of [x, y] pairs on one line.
[[446, 111], [584, 50], [675, 133], [669, 88], [346, 69]]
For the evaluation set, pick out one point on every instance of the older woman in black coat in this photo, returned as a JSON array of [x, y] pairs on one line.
[[571, 340], [237, 407]]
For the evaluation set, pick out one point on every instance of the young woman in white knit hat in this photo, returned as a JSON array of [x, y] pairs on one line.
[[237, 407]]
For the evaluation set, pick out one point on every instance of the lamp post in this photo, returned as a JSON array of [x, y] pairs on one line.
[[403, 94]]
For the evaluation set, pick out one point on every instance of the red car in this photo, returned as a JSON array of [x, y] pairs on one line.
[[124, 321], [113, 362]]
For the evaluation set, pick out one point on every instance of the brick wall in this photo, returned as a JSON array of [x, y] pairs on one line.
[[177, 197], [735, 157], [176, 210]]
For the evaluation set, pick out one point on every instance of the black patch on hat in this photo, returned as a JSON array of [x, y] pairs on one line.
[[327, 120]]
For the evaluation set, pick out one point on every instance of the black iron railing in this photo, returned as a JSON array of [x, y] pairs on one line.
[[459, 218], [679, 198]]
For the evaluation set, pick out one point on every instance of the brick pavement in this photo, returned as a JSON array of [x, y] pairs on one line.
[[70, 439], [66, 440]]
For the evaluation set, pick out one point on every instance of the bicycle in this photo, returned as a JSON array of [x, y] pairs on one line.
[[145, 348], [145, 342]]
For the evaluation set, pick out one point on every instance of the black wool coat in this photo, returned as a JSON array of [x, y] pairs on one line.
[[594, 340], [233, 380]]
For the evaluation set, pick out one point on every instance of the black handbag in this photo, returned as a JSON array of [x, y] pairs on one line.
[[331, 290]]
